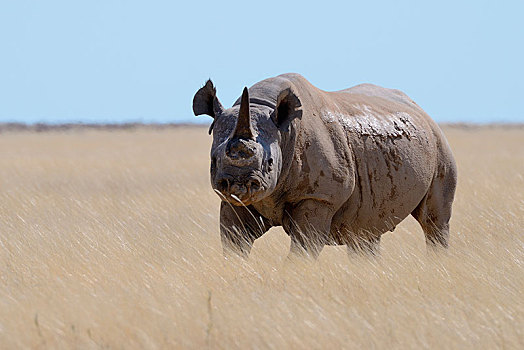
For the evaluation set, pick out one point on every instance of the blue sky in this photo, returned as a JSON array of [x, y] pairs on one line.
[[117, 61]]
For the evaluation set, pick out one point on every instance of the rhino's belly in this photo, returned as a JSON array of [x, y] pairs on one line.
[[393, 176]]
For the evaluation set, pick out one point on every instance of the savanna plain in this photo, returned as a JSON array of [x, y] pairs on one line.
[[109, 239]]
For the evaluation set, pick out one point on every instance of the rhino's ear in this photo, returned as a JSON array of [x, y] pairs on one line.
[[287, 109], [206, 101]]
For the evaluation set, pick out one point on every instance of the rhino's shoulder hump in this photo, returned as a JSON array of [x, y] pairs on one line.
[[297, 80], [291, 76], [266, 91], [379, 91]]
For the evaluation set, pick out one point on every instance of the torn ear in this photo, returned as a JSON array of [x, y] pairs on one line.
[[287, 108], [206, 101]]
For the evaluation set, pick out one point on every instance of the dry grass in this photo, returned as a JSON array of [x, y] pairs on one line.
[[110, 240]]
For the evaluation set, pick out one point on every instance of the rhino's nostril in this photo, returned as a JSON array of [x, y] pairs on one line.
[[223, 185], [253, 185]]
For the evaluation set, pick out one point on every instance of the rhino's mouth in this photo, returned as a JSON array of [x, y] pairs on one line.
[[239, 192]]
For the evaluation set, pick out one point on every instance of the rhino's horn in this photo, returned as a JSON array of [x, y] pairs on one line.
[[243, 127]]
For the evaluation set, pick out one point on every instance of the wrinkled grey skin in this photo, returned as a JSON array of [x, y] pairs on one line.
[[338, 167]]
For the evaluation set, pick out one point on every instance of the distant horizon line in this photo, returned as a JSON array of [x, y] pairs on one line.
[[45, 126]]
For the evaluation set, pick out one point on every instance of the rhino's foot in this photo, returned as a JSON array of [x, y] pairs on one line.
[[239, 228], [364, 246], [300, 250], [308, 224], [437, 237]]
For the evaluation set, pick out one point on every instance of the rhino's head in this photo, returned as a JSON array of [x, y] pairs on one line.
[[246, 154]]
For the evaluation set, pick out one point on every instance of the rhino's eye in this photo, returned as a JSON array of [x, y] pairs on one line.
[[270, 162], [213, 162]]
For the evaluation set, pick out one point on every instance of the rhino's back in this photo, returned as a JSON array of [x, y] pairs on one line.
[[393, 95]]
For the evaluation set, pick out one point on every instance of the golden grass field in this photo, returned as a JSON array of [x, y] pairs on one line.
[[109, 239]]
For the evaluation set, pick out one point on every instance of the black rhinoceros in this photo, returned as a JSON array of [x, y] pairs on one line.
[[338, 167]]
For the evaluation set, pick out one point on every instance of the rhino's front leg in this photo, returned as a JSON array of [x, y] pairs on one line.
[[239, 227], [308, 224]]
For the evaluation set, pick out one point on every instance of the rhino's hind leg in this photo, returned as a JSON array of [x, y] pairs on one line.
[[434, 211]]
